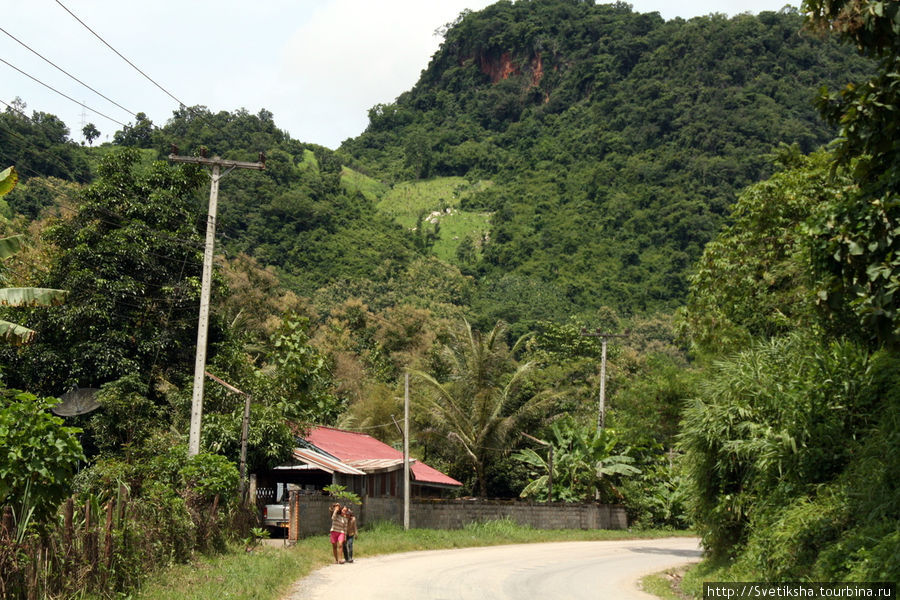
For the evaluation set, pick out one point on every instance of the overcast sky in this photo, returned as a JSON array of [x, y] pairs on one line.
[[318, 65]]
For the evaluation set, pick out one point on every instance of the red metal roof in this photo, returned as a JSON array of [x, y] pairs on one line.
[[350, 446], [326, 463]]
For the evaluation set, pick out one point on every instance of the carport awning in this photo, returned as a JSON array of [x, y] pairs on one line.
[[378, 465], [326, 463]]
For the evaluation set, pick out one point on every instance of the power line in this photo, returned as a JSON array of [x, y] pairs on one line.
[[119, 54], [51, 63], [185, 243], [33, 78]]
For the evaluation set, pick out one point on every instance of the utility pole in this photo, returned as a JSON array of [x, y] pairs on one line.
[[601, 413], [404, 432], [406, 453], [216, 174]]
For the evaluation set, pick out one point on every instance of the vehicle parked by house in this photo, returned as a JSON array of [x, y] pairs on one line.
[[276, 517]]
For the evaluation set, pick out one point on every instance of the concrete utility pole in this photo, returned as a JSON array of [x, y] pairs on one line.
[[404, 432], [406, 453], [601, 413], [203, 326]]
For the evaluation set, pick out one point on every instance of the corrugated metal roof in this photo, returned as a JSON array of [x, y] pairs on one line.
[[350, 447], [371, 465], [326, 463]]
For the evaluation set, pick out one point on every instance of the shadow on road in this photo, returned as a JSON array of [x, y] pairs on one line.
[[669, 551]]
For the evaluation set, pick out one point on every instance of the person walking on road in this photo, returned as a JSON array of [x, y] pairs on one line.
[[338, 532], [351, 534]]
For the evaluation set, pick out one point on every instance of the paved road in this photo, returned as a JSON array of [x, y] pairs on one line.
[[557, 571]]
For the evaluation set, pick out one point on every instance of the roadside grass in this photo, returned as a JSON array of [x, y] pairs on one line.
[[712, 570], [665, 585], [268, 572]]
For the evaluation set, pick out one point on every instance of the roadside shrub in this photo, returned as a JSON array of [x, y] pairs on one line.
[[806, 468], [36, 452], [209, 475], [657, 497], [772, 425], [103, 478], [169, 531], [209, 484]]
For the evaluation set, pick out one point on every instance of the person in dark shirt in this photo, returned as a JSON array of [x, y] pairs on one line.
[[351, 532]]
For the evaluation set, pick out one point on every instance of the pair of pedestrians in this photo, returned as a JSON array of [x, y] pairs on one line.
[[343, 532]]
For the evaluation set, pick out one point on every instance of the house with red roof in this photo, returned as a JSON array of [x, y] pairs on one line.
[[357, 461]]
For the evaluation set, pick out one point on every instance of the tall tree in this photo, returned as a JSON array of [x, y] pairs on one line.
[[484, 398], [859, 237], [131, 258], [90, 133], [754, 280]]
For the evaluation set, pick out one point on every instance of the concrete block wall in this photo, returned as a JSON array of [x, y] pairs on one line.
[[310, 514], [455, 514]]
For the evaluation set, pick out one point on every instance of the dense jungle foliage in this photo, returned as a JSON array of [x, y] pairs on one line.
[[791, 443], [559, 167], [616, 142]]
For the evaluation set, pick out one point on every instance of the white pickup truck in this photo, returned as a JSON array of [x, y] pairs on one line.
[[276, 515]]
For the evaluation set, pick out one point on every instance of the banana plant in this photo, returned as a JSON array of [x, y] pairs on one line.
[[584, 462], [28, 296]]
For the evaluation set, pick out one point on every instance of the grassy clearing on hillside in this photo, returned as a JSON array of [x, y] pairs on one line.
[[309, 162], [457, 226], [268, 572], [406, 201], [354, 181]]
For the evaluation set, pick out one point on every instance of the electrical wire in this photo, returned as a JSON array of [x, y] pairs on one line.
[[51, 63], [119, 54], [82, 104], [192, 244]]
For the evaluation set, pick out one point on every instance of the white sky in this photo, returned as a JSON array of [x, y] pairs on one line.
[[318, 65]]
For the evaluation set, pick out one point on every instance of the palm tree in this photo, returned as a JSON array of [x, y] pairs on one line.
[[11, 332], [484, 400]]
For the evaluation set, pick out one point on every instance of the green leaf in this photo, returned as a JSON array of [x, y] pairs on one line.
[[8, 179], [10, 245], [32, 297]]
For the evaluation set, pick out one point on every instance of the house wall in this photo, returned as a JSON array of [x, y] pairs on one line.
[[264, 485], [313, 518]]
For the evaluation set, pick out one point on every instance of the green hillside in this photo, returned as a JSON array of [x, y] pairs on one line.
[[586, 154], [616, 141]]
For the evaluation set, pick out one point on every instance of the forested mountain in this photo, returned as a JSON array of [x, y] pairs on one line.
[[616, 141], [601, 149]]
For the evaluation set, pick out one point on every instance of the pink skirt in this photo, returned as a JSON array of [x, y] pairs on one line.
[[337, 537]]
